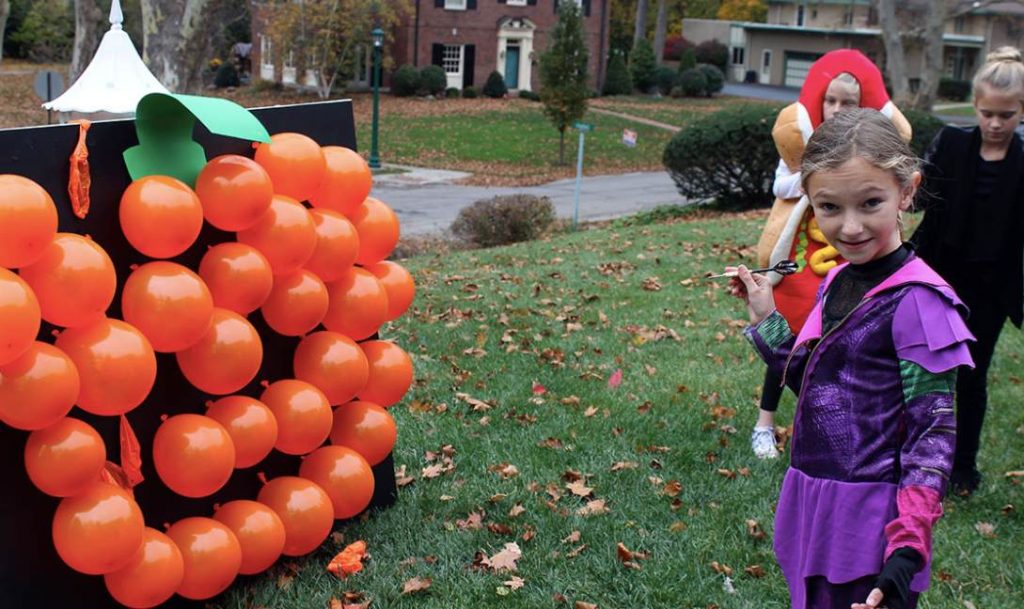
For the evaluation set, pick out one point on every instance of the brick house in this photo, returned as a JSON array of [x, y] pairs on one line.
[[468, 38]]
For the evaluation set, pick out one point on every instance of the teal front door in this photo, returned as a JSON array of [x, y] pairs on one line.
[[512, 67]]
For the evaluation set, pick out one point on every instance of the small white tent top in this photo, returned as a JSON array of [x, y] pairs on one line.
[[115, 80]]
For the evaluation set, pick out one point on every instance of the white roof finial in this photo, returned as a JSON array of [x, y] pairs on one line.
[[116, 16]]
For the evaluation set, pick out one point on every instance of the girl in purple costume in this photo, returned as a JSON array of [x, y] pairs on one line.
[[874, 369]]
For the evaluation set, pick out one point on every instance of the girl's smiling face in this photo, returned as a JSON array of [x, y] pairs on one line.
[[857, 206]]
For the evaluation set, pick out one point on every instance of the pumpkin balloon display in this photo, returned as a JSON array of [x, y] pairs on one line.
[[74, 281], [38, 388], [366, 428], [160, 216], [259, 530], [19, 316], [98, 530], [399, 285], [295, 163], [378, 230], [29, 221], [226, 358], [337, 244], [64, 458], [390, 372], [358, 304], [115, 363], [251, 425], [303, 415], [235, 191], [344, 475], [297, 303], [169, 304], [238, 276], [152, 576], [347, 181], [211, 554], [285, 234], [333, 363], [304, 509], [193, 455]]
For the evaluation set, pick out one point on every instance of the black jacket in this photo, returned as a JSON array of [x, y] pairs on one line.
[[947, 197]]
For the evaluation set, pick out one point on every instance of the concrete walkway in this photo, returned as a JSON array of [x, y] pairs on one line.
[[637, 119]]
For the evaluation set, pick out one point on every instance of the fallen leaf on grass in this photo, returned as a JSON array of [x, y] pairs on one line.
[[572, 537], [595, 507], [348, 561], [590, 411], [721, 569], [505, 470], [615, 379], [416, 584], [755, 571], [584, 605], [401, 478], [1015, 474], [672, 488], [754, 529], [515, 583], [985, 529], [677, 527], [504, 559], [621, 465], [477, 405], [516, 510], [472, 522], [628, 557], [579, 488], [539, 389]]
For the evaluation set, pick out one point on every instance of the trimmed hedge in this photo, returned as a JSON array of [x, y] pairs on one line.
[[665, 78], [495, 86], [693, 82], [713, 52], [618, 81], [504, 219], [714, 77], [433, 80], [955, 90], [405, 82]]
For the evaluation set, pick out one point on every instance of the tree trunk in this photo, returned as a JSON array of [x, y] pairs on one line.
[[561, 146], [660, 27], [931, 71], [5, 9], [640, 27], [176, 41], [88, 32], [895, 61]]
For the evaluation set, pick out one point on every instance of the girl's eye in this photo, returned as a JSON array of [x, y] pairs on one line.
[[875, 202], [827, 207]]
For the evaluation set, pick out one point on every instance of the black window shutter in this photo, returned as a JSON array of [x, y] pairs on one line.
[[502, 1], [556, 5], [529, 2], [470, 5], [438, 3], [586, 8], [437, 55], [468, 59]]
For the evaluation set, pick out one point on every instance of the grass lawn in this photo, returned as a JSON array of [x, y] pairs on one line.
[[535, 332], [671, 111], [964, 110]]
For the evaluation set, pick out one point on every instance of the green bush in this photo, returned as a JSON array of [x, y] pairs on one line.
[[495, 85], [924, 127], [617, 82], [955, 90], [677, 92], [405, 81], [433, 80], [469, 93], [530, 95], [226, 76], [47, 33], [713, 52], [687, 60], [665, 78], [728, 156], [452, 93], [714, 77], [693, 82], [642, 66], [504, 219], [267, 86]]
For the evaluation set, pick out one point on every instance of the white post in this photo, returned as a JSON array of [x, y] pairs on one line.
[[579, 176]]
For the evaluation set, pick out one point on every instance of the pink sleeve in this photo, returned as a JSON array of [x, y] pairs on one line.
[[919, 509]]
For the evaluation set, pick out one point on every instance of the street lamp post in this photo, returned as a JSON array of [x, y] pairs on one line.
[[378, 41]]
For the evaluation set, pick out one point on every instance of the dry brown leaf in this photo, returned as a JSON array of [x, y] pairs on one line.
[[572, 537], [621, 465], [677, 527], [403, 479], [721, 569], [477, 405], [590, 411], [515, 583], [432, 471], [416, 584], [505, 470], [755, 571], [672, 488], [516, 510], [576, 551], [985, 529], [579, 488], [473, 522], [626, 555], [595, 507], [754, 529], [504, 559], [584, 605], [728, 474]]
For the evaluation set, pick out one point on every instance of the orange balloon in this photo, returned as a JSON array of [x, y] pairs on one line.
[[390, 372], [344, 475], [304, 509], [285, 234], [161, 216], [337, 244], [38, 388], [226, 358], [238, 275], [235, 191], [169, 304], [333, 363], [153, 575], [295, 163], [29, 221], [19, 317], [378, 230], [303, 415], [74, 280], [64, 458], [99, 530], [251, 425], [399, 285], [358, 304], [366, 428], [211, 553], [259, 530], [115, 362], [347, 181], [193, 455], [297, 303]]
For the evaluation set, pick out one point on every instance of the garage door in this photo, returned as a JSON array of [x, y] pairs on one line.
[[796, 68]]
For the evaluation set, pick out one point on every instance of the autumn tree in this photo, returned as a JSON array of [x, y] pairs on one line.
[[563, 72], [660, 29], [743, 10]]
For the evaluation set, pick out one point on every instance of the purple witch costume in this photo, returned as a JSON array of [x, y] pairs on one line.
[[874, 432]]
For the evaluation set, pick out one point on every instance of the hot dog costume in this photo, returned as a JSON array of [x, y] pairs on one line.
[[791, 232]]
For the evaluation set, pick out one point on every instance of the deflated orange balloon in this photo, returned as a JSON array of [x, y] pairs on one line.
[[238, 276], [64, 458], [153, 575], [390, 372], [297, 303], [161, 216], [337, 244], [333, 363], [115, 363], [234, 191], [193, 455], [29, 221], [19, 316], [285, 234], [304, 509], [366, 428], [378, 230], [98, 530], [38, 388], [399, 285], [168, 303], [251, 425], [211, 554], [259, 530], [303, 415], [358, 304], [295, 163], [74, 281], [344, 475], [226, 358], [347, 181]]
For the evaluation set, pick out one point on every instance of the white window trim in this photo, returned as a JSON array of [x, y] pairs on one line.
[[517, 2], [455, 5]]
